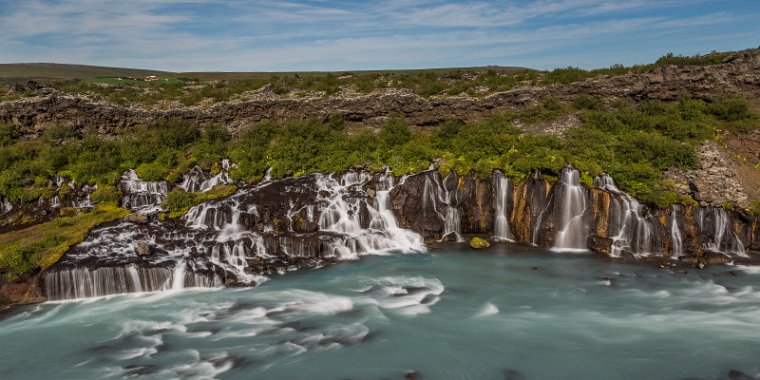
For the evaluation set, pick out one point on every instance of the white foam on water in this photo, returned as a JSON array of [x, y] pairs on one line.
[[487, 309], [747, 268]]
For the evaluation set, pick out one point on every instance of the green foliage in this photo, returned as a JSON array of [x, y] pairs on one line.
[[731, 108], [634, 142], [178, 201], [587, 102], [714, 58], [8, 134], [106, 194], [23, 252], [754, 207]]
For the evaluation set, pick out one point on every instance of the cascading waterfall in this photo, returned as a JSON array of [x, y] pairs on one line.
[[5, 205], [676, 241], [78, 198], [633, 229], [199, 181], [85, 282], [722, 237], [502, 193], [142, 196], [342, 215], [571, 202], [222, 241], [435, 193]]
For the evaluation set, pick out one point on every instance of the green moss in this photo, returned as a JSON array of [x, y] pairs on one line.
[[37, 247], [178, 201], [479, 243]]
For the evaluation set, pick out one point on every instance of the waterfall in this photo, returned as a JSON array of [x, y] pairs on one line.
[[570, 198], [197, 180], [5, 205], [502, 193], [84, 282], [142, 196], [436, 196], [676, 241], [342, 215], [721, 236], [234, 240], [633, 229]]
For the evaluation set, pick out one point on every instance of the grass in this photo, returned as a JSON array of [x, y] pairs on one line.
[[178, 202], [202, 88], [40, 246], [57, 71]]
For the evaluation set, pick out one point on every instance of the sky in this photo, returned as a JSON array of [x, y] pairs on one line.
[[238, 35]]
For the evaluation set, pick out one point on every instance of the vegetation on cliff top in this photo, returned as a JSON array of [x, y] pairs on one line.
[[40, 246], [206, 88], [634, 142]]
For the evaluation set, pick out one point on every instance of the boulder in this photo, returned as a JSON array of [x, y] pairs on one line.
[[600, 244], [479, 243], [137, 218], [142, 248]]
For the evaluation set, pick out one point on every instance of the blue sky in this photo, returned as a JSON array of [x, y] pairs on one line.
[[195, 35]]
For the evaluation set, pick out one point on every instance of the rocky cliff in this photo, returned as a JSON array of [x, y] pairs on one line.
[[740, 73], [310, 221]]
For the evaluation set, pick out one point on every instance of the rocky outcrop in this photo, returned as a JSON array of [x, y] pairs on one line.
[[739, 73], [716, 182], [612, 222], [313, 220]]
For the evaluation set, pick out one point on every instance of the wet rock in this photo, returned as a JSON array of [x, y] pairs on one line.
[[137, 218], [142, 249], [600, 244], [479, 243], [716, 258], [412, 375]]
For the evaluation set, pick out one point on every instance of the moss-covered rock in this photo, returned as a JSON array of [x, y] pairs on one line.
[[479, 243]]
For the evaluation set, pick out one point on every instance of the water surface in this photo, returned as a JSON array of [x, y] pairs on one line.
[[506, 313]]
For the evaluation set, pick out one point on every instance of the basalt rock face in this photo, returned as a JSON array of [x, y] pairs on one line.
[[268, 228], [568, 216], [309, 221], [716, 181], [63, 198], [738, 73]]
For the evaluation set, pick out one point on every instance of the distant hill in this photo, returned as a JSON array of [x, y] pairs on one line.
[[57, 71]]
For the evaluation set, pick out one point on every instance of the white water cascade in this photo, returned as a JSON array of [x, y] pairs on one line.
[[571, 202], [341, 214], [435, 193], [229, 241], [196, 180], [723, 238], [676, 240], [5, 205], [142, 196], [502, 192], [633, 229]]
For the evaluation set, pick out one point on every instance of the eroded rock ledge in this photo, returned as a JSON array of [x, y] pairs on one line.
[[739, 73]]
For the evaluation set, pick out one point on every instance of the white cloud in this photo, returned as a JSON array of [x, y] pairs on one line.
[[187, 35]]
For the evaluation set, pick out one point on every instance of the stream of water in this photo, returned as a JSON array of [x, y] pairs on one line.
[[507, 313]]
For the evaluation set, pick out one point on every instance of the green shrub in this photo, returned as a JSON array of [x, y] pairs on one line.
[[8, 134], [178, 200], [586, 102], [730, 109], [106, 194]]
